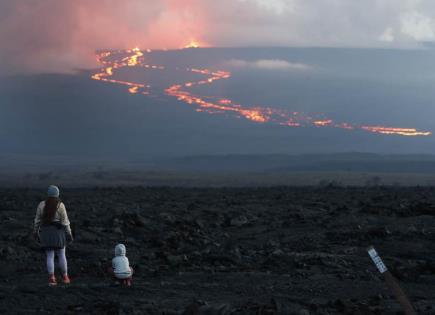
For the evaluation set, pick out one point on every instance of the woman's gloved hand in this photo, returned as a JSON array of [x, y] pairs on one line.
[[69, 238]]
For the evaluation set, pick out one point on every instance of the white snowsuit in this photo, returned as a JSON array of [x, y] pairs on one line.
[[120, 263]]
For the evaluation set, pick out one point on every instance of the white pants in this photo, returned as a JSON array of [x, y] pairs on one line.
[[60, 253]]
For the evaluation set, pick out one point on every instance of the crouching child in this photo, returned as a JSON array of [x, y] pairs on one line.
[[121, 270]]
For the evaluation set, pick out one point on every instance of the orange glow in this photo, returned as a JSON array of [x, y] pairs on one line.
[[254, 115], [217, 105], [194, 44], [133, 90], [410, 132], [322, 123], [107, 73]]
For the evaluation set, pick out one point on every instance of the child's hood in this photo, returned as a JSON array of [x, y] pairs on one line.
[[120, 250]]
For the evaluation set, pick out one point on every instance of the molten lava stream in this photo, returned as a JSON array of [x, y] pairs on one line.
[[107, 73], [217, 105]]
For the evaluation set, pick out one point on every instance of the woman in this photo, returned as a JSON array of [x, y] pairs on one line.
[[52, 228]]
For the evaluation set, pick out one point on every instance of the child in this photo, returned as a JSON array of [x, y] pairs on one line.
[[121, 269]]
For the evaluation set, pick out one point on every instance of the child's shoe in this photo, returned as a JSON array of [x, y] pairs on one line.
[[52, 280], [66, 279]]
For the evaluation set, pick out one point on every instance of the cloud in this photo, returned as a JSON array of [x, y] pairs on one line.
[[418, 26], [276, 6], [61, 35], [337, 23], [269, 64], [387, 35]]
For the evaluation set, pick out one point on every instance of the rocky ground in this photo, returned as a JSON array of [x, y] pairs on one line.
[[275, 250]]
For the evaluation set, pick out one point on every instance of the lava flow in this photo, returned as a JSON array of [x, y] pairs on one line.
[[131, 60], [115, 60]]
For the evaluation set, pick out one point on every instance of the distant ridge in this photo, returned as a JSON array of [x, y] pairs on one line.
[[335, 162], [352, 162]]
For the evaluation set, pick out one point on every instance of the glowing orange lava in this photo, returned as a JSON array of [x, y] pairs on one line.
[[133, 90], [322, 123], [396, 131], [215, 105], [194, 44]]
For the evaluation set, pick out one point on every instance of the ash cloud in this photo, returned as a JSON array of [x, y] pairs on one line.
[[61, 35]]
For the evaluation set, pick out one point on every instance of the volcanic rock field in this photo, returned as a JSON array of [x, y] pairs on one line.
[[279, 250]]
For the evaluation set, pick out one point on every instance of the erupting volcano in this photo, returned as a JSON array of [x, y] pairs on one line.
[[194, 44], [112, 61]]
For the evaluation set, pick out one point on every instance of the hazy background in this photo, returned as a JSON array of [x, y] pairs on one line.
[[61, 35], [376, 67]]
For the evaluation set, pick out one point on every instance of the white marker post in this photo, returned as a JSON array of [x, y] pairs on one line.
[[391, 282]]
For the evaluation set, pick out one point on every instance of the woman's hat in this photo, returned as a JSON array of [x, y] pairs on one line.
[[53, 191]]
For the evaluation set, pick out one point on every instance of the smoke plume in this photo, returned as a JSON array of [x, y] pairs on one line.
[[61, 35]]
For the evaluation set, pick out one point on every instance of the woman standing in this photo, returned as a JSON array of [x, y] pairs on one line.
[[52, 228]]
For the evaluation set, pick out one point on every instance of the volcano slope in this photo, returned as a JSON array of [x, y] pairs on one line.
[[279, 250]]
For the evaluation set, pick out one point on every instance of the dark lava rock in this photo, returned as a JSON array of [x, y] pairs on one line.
[[201, 308], [236, 248]]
